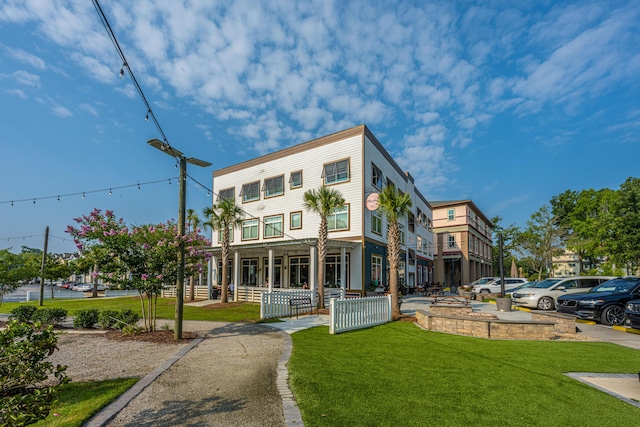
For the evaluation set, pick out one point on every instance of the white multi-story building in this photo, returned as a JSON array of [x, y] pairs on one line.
[[276, 242]]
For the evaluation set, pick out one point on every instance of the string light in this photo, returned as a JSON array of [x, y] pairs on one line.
[[82, 193], [146, 118], [121, 73]]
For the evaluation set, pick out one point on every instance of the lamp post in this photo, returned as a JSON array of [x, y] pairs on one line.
[[167, 149]]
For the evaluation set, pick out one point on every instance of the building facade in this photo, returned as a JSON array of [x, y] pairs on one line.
[[276, 243], [463, 242]]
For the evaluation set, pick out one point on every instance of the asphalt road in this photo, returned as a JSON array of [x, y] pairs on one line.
[[20, 294]]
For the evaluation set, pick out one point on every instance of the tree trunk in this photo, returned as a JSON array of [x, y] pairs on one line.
[[191, 289]]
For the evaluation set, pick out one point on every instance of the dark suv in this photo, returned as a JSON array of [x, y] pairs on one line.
[[632, 314], [604, 303]]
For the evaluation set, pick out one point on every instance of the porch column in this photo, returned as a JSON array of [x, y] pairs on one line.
[[270, 279], [236, 274], [343, 270], [313, 266], [211, 274], [284, 275]]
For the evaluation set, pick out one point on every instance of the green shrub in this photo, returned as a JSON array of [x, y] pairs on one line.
[[27, 389], [132, 330], [50, 316], [24, 313], [86, 319], [127, 317], [108, 319]]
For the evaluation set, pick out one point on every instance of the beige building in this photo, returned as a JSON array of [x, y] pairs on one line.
[[464, 243]]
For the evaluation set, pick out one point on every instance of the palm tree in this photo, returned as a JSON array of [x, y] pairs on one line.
[[322, 201], [394, 205], [223, 217], [194, 222]]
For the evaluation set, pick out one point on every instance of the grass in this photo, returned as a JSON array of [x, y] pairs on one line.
[[240, 312], [398, 374], [77, 402]]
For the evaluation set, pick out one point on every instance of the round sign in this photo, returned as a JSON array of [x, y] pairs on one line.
[[372, 201]]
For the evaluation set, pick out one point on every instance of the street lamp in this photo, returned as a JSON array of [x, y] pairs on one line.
[[167, 149]]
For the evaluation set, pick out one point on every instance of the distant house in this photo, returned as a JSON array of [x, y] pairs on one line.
[[464, 242], [277, 240]]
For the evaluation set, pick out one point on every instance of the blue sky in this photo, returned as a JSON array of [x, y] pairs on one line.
[[505, 105]]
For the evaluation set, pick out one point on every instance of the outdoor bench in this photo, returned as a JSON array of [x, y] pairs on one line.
[[298, 304]]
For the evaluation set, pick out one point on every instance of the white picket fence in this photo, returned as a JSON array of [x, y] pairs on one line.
[[276, 304], [121, 292], [357, 313]]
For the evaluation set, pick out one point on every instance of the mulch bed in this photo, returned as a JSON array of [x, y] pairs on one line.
[[160, 337]]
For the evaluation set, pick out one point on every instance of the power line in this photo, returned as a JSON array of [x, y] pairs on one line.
[[125, 66]]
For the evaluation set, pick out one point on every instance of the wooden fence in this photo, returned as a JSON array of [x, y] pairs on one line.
[[277, 304]]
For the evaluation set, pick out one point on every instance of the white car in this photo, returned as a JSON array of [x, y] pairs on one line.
[[544, 295], [493, 287]]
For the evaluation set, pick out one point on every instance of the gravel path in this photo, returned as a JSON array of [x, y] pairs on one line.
[[228, 379]]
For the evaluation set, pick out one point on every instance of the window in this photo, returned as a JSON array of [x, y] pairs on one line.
[[250, 192], [273, 226], [296, 220], [419, 243], [273, 186], [339, 219], [376, 222], [250, 229], [411, 222], [295, 180], [220, 235], [401, 230], [451, 214], [376, 177], [336, 172], [226, 194], [452, 241], [376, 270]]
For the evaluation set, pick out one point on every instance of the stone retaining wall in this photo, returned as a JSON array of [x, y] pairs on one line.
[[480, 326], [564, 324]]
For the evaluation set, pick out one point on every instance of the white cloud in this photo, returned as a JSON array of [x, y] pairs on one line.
[[61, 111], [89, 109], [17, 92], [26, 78], [27, 58]]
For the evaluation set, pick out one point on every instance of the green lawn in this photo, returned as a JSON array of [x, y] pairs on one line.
[[242, 312], [400, 375], [77, 402]]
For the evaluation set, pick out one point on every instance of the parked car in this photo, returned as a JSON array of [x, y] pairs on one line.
[[82, 287], [482, 281], [605, 303], [493, 287], [544, 294], [632, 314]]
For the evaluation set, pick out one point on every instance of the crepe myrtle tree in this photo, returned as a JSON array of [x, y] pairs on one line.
[[144, 258]]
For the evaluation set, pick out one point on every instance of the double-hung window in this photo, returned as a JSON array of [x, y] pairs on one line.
[[273, 186], [339, 219], [250, 229], [376, 222], [273, 226], [221, 235], [250, 192], [451, 214], [336, 172], [452, 242], [296, 220]]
